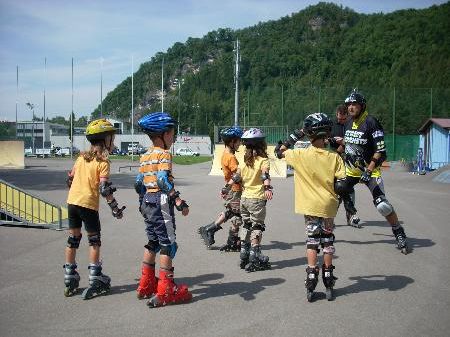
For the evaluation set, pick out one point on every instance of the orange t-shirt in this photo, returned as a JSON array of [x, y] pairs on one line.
[[154, 160], [229, 166]]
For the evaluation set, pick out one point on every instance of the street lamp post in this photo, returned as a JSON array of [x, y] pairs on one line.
[[31, 107], [179, 83]]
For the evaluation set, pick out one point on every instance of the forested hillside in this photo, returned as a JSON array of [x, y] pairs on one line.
[[302, 63]]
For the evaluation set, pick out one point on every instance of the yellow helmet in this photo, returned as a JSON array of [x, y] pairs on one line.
[[99, 129]]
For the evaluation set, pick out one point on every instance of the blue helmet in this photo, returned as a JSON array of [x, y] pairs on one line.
[[156, 123], [231, 133]]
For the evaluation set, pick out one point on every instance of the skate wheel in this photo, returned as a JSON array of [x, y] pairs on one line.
[[309, 295], [68, 292], [329, 294], [404, 250], [87, 293]]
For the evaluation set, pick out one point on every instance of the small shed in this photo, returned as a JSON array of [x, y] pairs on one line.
[[435, 142]]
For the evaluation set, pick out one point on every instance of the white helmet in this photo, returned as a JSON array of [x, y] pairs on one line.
[[252, 135]]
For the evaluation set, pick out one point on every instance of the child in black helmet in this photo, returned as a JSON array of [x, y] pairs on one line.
[[317, 173], [88, 179]]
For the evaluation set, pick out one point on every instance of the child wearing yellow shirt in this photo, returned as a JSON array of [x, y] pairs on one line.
[[255, 179], [319, 176], [87, 180]]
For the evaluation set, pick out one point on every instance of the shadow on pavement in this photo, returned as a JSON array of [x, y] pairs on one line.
[[281, 245], [375, 282], [246, 290], [299, 261], [413, 243]]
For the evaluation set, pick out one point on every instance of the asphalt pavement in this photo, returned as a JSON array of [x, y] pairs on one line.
[[379, 291]]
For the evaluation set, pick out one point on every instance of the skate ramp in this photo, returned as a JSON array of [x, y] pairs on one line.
[[18, 207], [443, 177], [278, 167], [12, 154]]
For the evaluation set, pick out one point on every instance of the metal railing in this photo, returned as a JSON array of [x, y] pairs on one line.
[[18, 207]]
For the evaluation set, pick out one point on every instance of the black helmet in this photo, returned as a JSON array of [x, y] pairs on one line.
[[356, 97], [317, 125]]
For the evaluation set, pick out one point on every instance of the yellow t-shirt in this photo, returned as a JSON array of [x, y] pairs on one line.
[[229, 166], [251, 178], [315, 170], [84, 190]]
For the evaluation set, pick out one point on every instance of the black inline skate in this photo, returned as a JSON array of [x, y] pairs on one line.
[[328, 280], [400, 237], [233, 243], [71, 279], [99, 283], [207, 233], [353, 220], [245, 252], [256, 260], [312, 277]]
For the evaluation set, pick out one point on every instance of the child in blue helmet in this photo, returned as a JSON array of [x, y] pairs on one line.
[[231, 193], [157, 208]]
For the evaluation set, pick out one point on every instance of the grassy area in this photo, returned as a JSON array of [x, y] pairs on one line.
[[187, 160]]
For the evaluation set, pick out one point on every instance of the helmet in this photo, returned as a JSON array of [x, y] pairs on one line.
[[156, 123], [356, 97], [252, 136], [99, 129], [231, 133], [317, 125]]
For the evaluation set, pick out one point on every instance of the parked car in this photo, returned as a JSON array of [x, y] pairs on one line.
[[185, 151], [135, 148], [118, 152]]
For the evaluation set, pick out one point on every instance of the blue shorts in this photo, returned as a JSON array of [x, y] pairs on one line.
[[159, 218]]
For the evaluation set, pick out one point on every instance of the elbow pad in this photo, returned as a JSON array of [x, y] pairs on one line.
[[380, 160], [236, 177], [106, 189], [163, 181], [265, 176], [139, 184]]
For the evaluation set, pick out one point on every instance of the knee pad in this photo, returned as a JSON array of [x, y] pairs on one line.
[[169, 250], [228, 214], [327, 241], [313, 229], [383, 206], [313, 242], [94, 240], [153, 246], [73, 241]]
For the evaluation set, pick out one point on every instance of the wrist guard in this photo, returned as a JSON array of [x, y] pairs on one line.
[[116, 211], [106, 189], [181, 206], [226, 189], [293, 138], [69, 180], [268, 187]]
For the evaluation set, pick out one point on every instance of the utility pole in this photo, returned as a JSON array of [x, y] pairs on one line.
[[237, 58]]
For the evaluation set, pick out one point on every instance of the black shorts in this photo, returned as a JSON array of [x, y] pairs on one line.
[[78, 214]]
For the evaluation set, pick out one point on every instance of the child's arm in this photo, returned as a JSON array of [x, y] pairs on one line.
[[235, 179], [265, 177], [106, 190], [289, 143], [70, 176], [167, 186]]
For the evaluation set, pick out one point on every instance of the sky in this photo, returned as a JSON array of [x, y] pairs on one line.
[[108, 39]]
